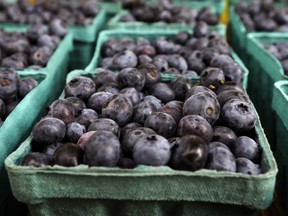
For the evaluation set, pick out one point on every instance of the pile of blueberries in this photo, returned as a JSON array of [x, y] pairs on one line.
[[263, 16], [31, 49], [165, 11], [132, 118], [185, 54], [12, 90], [280, 51], [71, 13]]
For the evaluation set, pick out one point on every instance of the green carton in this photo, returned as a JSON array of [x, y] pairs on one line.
[[152, 34], [19, 123], [280, 104], [265, 70], [84, 38], [144, 190]]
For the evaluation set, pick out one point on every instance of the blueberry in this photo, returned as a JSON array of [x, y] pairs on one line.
[[36, 31], [142, 59], [36, 159], [124, 59], [201, 29], [83, 139], [75, 131], [189, 73], [246, 166], [126, 163], [62, 110], [230, 85], [142, 111], [151, 73], [191, 154], [68, 155], [203, 104], [245, 147], [162, 123], [196, 64], [233, 72], [221, 159], [213, 145], [181, 85], [208, 54], [97, 100], [182, 37], [151, 99], [49, 130], [111, 109], [40, 56], [77, 103], [171, 71], [2, 108], [132, 94], [11, 105], [131, 77], [132, 136], [212, 78], [175, 109], [50, 149], [56, 28], [102, 149], [195, 125], [146, 50], [222, 47], [225, 96], [163, 92], [107, 63], [224, 135], [178, 62], [105, 124], [86, 117], [104, 76], [81, 87], [111, 87], [46, 40], [160, 62], [26, 85], [110, 47], [153, 150], [196, 89], [239, 115], [9, 81]]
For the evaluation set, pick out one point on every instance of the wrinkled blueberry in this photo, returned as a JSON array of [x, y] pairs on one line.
[[111, 109]]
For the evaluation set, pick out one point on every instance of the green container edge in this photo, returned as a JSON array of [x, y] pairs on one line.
[[251, 191]]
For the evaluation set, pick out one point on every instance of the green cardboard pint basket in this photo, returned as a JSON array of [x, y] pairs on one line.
[[265, 70], [18, 124], [144, 190], [280, 103], [152, 34], [84, 38]]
